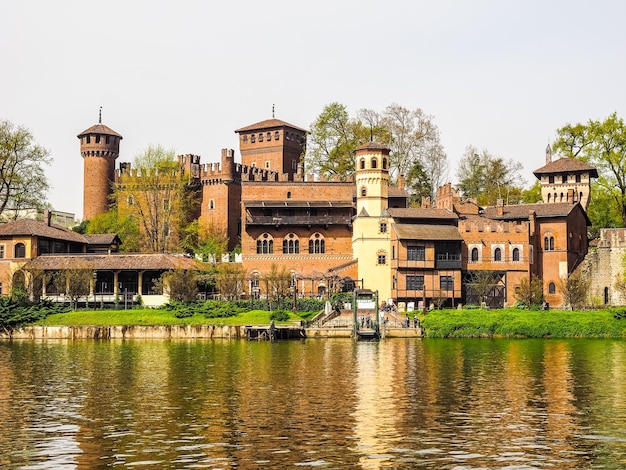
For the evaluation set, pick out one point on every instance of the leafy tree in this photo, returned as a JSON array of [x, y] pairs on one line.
[[74, 282], [575, 290], [483, 282], [532, 195], [229, 279], [603, 211], [23, 182], [180, 284], [418, 184], [488, 178], [209, 242], [158, 196], [603, 145], [113, 222], [530, 292], [276, 284]]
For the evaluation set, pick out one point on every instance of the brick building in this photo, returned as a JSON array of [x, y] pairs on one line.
[[333, 233]]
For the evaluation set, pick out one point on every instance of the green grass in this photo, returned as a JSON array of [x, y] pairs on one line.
[[477, 323], [152, 317]]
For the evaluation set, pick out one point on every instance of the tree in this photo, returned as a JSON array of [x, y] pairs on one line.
[[158, 195], [74, 282], [530, 292], [23, 182], [418, 184], [603, 211], [180, 284], [575, 290], [276, 284], [603, 145], [488, 178], [533, 194], [209, 242], [482, 283], [229, 279], [113, 222]]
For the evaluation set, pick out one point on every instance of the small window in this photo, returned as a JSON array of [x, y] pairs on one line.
[[97, 139], [374, 163], [245, 138], [382, 259], [211, 204], [20, 250], [548, 243], [166, 229], [107, 139], [363, 192], [288, 194], [260, 137], [252, 138], [551, 288], [551, 179], [384, 163], [269, 136], [515, 254], [474, 255], [497, 254], [362, 164], [383, 227], [267, 165], [88, 139], [578, 178], [564, 178], [1, 251], [276, 135]]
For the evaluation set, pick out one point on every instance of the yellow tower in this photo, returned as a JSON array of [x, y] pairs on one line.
[[370, 234]]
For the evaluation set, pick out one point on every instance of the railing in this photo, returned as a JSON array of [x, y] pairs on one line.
[[299, 220]]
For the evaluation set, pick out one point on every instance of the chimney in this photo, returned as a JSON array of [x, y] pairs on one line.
[[500, 207], [47, 216], [425, 202], [401, 181]]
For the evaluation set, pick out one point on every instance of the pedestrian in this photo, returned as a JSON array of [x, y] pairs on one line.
[[407, 321], [415, 320]]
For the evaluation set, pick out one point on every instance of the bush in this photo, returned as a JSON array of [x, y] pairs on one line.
[[16, 312], [279, 315]]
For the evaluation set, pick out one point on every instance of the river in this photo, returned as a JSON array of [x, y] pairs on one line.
[[327, 403]]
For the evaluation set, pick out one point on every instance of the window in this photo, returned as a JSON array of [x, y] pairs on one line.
[[548, 243], [578, 178], [20, 251], [497, 254], [551, 179], [384, 163], [265, 244], [276, 135], [291, 244], [374, 163], [363, 191], [88, 139], [267, 165], [97, 139], [414, 282], [551, 288], [252, 138], [245, 139], [107, 139], [1, 251], [383, 227], [288, 194], [382, 258], [474, 255], [269, 136], [416, 253], [564, 178], [515, 254], [362, 164], [316, 244], [260, 137], [446, 283], [211, 204]]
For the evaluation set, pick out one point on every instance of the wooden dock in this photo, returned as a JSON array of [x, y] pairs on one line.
[[267, 333]]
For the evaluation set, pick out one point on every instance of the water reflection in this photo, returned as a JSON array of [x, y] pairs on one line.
[[315, 403]]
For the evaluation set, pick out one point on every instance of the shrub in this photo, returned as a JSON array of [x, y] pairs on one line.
[[279, 315]]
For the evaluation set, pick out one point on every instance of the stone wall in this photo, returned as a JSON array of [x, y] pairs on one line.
[[603, 266]]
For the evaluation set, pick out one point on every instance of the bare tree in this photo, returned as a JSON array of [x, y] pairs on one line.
[[74, 282], [575, 290], [229, 279]]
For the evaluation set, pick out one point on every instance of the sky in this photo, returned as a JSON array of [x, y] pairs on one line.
[[498, 75]]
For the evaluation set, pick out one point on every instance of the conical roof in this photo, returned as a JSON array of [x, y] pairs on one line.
[[99, 129]]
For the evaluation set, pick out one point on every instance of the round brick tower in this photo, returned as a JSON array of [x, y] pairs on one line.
[[99, 146]]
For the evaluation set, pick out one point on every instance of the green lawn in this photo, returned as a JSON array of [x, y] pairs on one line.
[[151, 317]]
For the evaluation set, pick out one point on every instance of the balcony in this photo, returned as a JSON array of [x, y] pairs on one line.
[[448, 261], [305, 220]]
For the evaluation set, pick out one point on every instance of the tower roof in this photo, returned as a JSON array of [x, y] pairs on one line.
[[269, 124], [372, 146], [99, 129], [563, 165]]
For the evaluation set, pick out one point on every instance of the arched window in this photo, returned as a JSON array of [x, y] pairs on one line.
[[552, 288], [265, 244], [363, 191], [474, 255], [606, 296], [374, 163], [362, 164], [384, 163], [288, 194], [497, 254], [548, 242], [549, 197], [381, 257], [291, 244], [316, 243], [515, 254], [20, 251]]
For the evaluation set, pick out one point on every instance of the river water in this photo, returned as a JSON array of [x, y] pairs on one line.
[[328, 403]]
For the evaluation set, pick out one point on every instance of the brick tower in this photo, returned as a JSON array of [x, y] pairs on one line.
[[99, 146]]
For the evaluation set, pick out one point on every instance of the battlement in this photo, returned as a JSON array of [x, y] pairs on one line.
[[493, 226], [612, 238]]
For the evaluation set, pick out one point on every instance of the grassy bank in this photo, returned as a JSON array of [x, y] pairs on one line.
[[523, 323]]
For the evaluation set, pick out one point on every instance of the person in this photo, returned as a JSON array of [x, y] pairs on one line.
[[407, 321], [415, 320]]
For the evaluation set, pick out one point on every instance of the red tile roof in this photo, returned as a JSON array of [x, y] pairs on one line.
[[268, 124], [99, 129], [426, 232], [135, 261], [564, 165], [522, 211], [420, 213], [31, 227]]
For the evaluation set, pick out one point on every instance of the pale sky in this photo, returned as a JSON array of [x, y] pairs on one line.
[[499, 75]]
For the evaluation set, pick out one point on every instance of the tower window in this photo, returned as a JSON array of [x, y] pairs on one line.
[[551, 288], [374, 163], [382, 258], [211, 204], [564, 178], [20, 250], [97, 139], [384, 163], [245, 138], [252, 138], [267, 165], [578, 178], [316, 244], [1, 251], [288, 194], [474, 255], [276, 135], [383, 227], [551, 179], [363, 192], [106, 139], [269, 136], [362, 164], [515, 254], [88, 139], [497, 254], [260, 137]]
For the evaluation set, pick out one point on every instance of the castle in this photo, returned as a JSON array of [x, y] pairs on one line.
[[334, 233]]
